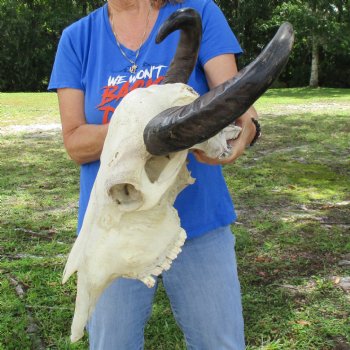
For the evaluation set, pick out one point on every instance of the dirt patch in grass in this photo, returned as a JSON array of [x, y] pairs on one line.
[[35, 129]]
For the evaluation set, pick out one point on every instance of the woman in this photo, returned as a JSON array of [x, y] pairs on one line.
[[99, 60]]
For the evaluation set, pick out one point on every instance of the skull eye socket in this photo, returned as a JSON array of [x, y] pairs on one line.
[[155, 165]]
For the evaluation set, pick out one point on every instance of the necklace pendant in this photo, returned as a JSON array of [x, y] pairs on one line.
[[133, 69]]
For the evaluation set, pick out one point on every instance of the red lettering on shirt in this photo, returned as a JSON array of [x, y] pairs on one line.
[[154, 82], [123, 91], [106, 111], [108, 95], [116, 93], [137, 84]]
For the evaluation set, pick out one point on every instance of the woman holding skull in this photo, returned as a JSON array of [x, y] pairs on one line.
[[99, 60]]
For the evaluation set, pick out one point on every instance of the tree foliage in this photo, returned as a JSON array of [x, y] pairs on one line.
[[322, 47], [322, 29], [29, 33], [30, 30]]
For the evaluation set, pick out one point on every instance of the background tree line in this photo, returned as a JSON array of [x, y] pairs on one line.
[[30, 30]]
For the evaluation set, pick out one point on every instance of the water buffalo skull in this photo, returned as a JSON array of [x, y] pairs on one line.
[[131, 228]]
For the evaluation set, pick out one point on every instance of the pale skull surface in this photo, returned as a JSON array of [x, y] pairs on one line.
[[131, 228]]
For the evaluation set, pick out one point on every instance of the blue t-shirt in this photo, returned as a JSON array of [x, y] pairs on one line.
[[89, 59]]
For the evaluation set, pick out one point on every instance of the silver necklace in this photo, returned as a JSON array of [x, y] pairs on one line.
[[133, 67]]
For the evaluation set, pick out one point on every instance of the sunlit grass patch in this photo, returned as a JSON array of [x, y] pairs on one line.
[[28, 108]]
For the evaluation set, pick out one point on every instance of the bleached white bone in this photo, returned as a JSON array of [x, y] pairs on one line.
[[131, 228]]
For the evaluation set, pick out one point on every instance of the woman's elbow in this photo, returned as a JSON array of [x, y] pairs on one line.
[[84, 144], [73, 152], [78, 160]]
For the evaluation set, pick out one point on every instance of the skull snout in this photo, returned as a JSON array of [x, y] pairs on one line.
[[126, 196]]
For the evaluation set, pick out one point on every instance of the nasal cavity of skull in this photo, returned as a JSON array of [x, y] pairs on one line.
[[155, 165], [126, 195]]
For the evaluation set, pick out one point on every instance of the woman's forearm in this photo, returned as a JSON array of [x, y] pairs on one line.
[[84, 144]]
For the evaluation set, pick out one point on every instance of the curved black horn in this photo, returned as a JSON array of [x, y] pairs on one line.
[[180, 128], [182, 65]]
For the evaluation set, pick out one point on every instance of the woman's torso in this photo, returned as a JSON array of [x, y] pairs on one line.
[[105, 79]]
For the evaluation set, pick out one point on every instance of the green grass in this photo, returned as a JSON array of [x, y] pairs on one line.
[[25, 109], [292, 197], [303, 96]]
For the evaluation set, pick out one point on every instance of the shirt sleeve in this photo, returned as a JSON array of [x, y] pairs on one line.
[[67, 68], [218, 38]]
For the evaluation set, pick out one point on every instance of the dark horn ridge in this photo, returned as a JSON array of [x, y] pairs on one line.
[[183, 63], [180, 128]]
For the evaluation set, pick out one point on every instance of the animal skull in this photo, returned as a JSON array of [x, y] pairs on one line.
[[131, 228]]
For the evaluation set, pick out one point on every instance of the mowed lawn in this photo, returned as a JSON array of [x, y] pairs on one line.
[[291, 193]]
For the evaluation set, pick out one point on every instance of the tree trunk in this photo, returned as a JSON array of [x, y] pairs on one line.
[[84, 8], [314, 63]]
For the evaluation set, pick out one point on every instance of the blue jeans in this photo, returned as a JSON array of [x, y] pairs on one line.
[[204, 292]]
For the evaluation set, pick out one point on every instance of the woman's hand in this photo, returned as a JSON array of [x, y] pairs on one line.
[[218, 70], [238, 145]]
